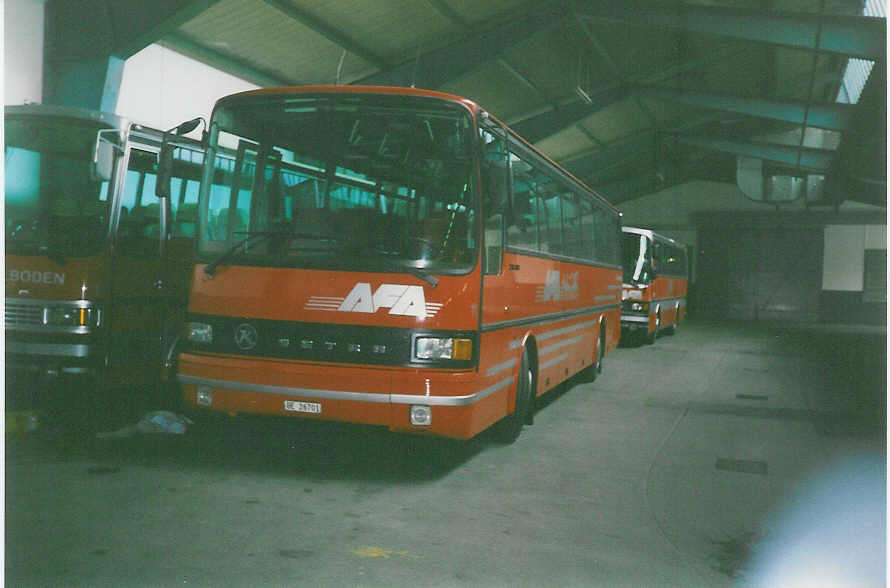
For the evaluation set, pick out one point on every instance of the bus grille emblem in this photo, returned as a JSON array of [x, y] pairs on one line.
[[246, 336]]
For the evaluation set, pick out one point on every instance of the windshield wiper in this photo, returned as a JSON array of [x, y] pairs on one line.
[[414, 271], [418, 273], [252, 237]]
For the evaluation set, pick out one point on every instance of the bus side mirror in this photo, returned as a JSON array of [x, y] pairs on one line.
[[495, 180], [103, 161], [165, 156]]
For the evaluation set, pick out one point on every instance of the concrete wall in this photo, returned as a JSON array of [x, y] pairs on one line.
[[160, 87], [22, 51], [843, 274], [845, 247]]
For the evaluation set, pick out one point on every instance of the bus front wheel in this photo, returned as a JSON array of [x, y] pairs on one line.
[[510, 428]]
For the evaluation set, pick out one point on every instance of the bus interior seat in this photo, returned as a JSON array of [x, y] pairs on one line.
[[186, 221]]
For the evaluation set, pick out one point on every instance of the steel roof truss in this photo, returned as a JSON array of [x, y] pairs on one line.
[[818, 160], [855, 36], [831, 116]]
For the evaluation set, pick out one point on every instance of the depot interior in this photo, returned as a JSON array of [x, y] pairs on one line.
[[752, 132], [756, 137]]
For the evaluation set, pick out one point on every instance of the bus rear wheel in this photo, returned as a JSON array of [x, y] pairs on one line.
[[511, 426], [590, 373], [650, 337], [671, 330]]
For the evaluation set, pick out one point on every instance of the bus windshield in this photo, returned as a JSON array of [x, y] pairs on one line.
[[635, 248], [357, 182], [53, 206]]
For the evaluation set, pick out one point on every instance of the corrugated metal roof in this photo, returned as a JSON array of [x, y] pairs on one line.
[[524, 61]]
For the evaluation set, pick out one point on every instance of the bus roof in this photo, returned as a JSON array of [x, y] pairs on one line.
[[394, 90], [651, 234]]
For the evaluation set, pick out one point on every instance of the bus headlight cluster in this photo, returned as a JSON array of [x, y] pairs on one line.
[[71, 316], [428, 348], [199, 332], [421, 415]]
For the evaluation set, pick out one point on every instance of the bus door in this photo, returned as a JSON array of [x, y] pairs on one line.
[[137, 295]]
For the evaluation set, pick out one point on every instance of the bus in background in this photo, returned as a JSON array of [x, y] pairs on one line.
[[655, 283], [392, 257], [97, 266]]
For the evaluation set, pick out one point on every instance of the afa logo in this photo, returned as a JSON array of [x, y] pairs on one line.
[[400, 299], [556, 288]]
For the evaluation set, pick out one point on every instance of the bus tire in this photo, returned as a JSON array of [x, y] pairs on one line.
[[510, 427], [590, 373], [672, 330], [650, 337]]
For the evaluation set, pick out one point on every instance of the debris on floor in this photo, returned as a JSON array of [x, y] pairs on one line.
[[157, 422]]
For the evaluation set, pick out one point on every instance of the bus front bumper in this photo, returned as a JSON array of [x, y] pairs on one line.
[[457, 404], [634, 323]]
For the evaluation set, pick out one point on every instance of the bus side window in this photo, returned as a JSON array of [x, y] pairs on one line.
[[603, 226], [139, 228], [495, 186], [571, 233], [585, 223], [523, 228]]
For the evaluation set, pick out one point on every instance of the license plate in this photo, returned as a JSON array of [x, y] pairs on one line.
[[295, 406]]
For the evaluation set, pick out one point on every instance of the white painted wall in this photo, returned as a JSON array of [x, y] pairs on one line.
[[162, 88], [22, 51], [844, 254]]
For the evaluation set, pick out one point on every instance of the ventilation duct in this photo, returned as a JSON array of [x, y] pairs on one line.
[[773, 186]]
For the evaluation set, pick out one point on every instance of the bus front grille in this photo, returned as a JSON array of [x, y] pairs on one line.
[[21, 315]]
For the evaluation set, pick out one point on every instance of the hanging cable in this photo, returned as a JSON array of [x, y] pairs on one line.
[[340, 66]]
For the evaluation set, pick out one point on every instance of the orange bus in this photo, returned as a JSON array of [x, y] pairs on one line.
[[393, 257], [655, 283], [97, 266]]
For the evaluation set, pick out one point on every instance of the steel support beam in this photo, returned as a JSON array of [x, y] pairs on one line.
[[93, 84], [176, 16], [639, 147], [436, 68], [87, 41], [818, 160], [831, 116], [292, 11], [853, 36], [539, 127], [223, 62]]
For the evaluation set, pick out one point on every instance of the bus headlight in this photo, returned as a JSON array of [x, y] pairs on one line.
[[199, 332], [72, 316], [428, 348], [634, 306], [421, 415]]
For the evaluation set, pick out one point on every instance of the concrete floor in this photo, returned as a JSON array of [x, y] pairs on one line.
[[671, 469]]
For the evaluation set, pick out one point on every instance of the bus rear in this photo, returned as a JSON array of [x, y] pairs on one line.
[[341, 264]]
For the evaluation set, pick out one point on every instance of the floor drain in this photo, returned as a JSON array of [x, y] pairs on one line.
[[743, 466]]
